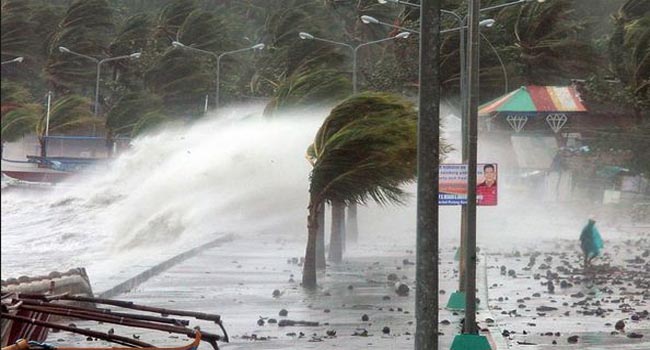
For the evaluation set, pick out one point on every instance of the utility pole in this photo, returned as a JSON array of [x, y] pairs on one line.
[[426, 275], [472, 112]]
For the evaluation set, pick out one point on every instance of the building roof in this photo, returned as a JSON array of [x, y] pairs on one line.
[[535, 99]]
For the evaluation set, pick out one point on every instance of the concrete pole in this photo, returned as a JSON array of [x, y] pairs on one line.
[[354, 70], [99, 65], [47, 115], [216, 99], [463, 118], [470, 254], [426, 274]]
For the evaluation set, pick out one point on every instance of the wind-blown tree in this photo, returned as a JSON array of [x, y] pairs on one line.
[[86, 28], [624, 84], [46, 17], [136, 35], [134, 112], [172, 17], [180, 81], [206, 31], [183, 77], [70, 113], [365, 149], [547, 42], [14, 96], [309, 88], [286, 57], [21, 36], [18, 38], [629, 49]]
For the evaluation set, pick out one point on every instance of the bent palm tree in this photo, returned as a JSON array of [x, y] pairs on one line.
[[365, 149], [68, 113], [629, 49]]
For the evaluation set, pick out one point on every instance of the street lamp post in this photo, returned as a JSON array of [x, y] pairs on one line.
[[15, 60], [178, 44], [99, 65], [355, 49]]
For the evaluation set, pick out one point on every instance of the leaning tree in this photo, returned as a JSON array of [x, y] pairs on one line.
[[365, 149], [21, 117]]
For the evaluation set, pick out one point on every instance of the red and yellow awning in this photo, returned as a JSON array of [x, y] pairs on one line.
[[535, 99]]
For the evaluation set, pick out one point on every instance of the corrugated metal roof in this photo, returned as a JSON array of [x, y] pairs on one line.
[[533, 99]]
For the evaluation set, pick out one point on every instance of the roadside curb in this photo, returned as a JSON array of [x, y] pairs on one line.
[[142, 277], [494, 331]]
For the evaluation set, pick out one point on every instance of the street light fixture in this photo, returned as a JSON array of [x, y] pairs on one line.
[[372, 20], [355, 49], [15, 60], [99, 63], [399, 2], [178, 44]]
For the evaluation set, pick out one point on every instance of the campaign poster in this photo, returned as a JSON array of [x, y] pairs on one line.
[[453, 184]]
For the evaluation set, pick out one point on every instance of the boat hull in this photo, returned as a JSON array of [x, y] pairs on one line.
[[31, 172]]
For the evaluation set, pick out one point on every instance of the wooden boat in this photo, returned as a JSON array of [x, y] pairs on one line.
[[73, 281], [12, 331], [60, 158], [28, 316]]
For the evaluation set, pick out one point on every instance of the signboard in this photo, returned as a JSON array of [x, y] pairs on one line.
[[453, 184]]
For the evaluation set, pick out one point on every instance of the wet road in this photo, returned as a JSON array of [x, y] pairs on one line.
[[237, 281]]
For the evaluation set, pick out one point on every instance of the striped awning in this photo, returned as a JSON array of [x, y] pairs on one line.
[[535, 99]]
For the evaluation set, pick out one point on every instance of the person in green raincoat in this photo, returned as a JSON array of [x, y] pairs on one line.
[[590, 242]]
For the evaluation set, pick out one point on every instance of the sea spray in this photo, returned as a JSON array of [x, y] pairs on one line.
[[234, 173]]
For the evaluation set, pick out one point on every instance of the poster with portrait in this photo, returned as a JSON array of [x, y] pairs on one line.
[[453, 184]]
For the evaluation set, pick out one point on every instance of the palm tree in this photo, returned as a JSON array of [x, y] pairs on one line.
[[172, 17], [181, 79], [309, 87], [286, 57], [18, 38], [14, 96], [548, 42], [320, 213], [134, 112], [629, 49], [365, 149], [47, 18], [70, 113], [86, 28]]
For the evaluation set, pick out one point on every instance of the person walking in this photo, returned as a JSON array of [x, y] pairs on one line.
[[590, 242]]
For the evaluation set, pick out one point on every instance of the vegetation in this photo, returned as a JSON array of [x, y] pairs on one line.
[[364, 150], [548, 43]]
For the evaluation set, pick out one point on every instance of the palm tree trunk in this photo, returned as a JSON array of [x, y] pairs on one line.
[[309, 267], [352, 229], [110, 142], [43, 143], [337, 231], [320, 241]]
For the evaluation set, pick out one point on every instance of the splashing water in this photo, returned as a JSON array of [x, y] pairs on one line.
[[172, 190], [177, 188]]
